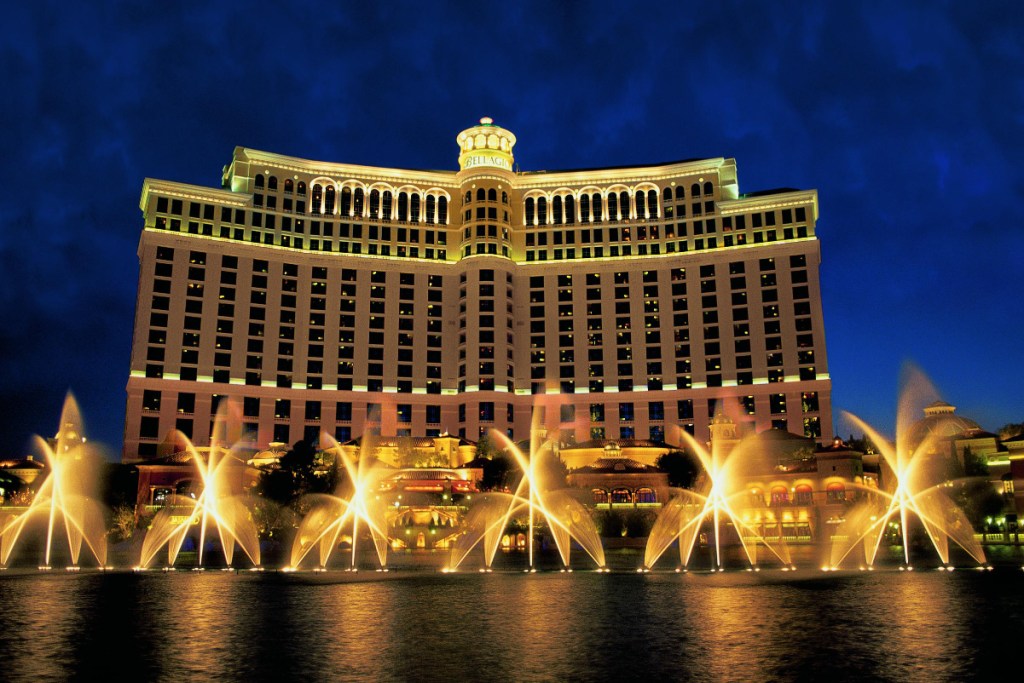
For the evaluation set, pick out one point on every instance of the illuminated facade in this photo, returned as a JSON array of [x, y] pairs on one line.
[[333, 297]]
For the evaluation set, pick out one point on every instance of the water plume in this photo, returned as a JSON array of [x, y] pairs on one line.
[[918, 480], [216, 507], [721, 491], [538, 495], [67, 498], [329, 515]]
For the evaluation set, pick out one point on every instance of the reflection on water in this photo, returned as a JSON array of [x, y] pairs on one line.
[[925, 626]]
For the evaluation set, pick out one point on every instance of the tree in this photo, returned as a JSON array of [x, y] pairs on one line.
[[612, 524], [555, 472], [276, 485], [300, 461], [681, 467], [638, 523], [122, 523], [120, 485], [1008, 431], [861, 445], [298, 474], [974, 465], [497, 472], [979, 500], [406, 454], [486, 447]]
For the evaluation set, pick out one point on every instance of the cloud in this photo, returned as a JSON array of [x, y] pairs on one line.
[[907, 120]]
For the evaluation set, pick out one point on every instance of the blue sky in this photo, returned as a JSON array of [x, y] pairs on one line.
[[908, 118]]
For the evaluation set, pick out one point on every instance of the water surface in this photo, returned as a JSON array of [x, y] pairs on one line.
[[583, 626]]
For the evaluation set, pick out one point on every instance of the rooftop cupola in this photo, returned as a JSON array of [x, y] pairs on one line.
[[485, 146]]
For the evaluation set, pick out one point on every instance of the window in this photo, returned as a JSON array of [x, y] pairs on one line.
[[282, 408], [780, 496], [149, 428], [621, 496], [803, 495], [835, 493]]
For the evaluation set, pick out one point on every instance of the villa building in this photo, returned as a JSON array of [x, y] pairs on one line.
[[341, 298]]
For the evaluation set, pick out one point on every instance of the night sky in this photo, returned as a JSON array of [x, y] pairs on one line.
[[908, 120]]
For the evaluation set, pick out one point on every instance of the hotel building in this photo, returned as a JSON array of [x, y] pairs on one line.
[[621, 301]]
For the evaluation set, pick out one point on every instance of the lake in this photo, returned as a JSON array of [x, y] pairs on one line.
[[419, 625]]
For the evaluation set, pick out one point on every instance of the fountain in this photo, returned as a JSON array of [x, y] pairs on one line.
[[567, 519], [215, 505], [721, 489], [67, 496], [330, 514], [919, 482]]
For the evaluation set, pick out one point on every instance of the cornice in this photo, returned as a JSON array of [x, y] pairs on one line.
[[171, 188], [344, 171], [543, 179]]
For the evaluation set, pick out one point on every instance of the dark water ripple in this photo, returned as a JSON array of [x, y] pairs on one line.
[[883, 626]]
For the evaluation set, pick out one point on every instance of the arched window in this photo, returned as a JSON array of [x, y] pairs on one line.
[[613, 207], [329, 200], [652, 203], [556, 210], [259, 181], [301, 188], [596, 207], [469, 197], [835, 493], [646, 495], [641, 204], [756, 497], [492, 195], [346, 201], [528, 211], [694, 190], [357, 202], [403, 206], [803, 495], [272, 183], [318, 197], [481, 195], [680, 193], [624, 205], [709, 189], [621, 496], [414, 208], [780, 495], [504, 198], [431, 208], [584, 207], [385, 205], [570, 209], [289, 186], [374, 203], [442, 210], [600, 496], [667, 194], [542, 210]]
